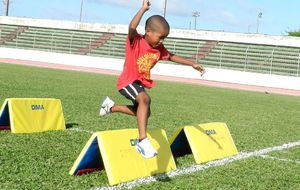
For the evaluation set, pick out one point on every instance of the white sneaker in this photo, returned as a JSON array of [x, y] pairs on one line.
[[106, 105], [146, 149]]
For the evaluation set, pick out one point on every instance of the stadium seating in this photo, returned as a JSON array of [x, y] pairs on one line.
[[228, 55], [255, 58], [114, 47], [8, 33]]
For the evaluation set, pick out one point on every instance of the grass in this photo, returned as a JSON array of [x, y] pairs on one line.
[[43, 160]]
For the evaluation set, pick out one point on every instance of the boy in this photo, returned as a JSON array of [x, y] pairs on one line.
[[142, 53]]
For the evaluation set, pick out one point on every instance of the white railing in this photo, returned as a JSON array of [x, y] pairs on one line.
[[220, 60], [298, 65], [272, 61], [71, 41], [246, 59]]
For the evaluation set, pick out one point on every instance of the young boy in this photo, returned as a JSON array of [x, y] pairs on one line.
[[142, 53]]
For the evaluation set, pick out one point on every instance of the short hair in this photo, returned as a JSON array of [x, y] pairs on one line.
[[156, 21]]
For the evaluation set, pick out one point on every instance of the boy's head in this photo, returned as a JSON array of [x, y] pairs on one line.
[[157, 29]]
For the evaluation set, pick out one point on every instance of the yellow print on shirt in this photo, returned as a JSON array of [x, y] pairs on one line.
[[146, 62]]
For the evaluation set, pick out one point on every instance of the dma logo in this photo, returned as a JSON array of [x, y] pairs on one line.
[[210, 132], [37, 107]]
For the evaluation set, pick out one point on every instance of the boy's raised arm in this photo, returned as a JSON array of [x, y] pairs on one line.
[[136, 20]]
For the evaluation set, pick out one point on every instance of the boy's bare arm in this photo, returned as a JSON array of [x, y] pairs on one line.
[[184, 61], [136, 20]]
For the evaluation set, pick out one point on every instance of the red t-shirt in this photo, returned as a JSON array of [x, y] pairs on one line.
[[139, 60]]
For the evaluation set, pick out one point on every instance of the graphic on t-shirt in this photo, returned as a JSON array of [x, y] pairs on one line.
[[146, 62]]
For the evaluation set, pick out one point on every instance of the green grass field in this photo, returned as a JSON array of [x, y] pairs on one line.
[[255, 120]]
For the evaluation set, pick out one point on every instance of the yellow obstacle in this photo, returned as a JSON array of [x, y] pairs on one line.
[[29, 115], [206, 142], [115, 151]]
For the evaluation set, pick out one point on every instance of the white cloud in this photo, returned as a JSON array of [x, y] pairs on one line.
[[234, 13], [122, 3], [179, 8], [229, 17], [246, 6], [174, 7]]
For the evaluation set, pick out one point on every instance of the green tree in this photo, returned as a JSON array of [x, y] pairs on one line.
[[294, 33]]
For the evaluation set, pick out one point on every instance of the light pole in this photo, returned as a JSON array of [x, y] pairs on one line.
[[165, 9], [258, 18], [196, 14], [6, 4], [80, 19]]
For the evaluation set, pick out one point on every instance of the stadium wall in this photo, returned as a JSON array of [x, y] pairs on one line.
[[176, 33], [221, 75]]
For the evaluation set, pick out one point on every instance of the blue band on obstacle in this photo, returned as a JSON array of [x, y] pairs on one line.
[[4, 117], [180, 145], [91, 160]]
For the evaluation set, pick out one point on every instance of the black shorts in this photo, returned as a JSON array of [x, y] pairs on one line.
[[132, 90]]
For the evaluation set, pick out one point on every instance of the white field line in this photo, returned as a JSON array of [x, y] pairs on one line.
[[196, 168], [80, 130], [280, 159]]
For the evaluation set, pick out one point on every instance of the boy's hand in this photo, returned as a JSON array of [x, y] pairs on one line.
[[146, 5], [199, 68]]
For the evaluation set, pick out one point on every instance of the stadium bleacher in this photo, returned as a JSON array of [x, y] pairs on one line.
[[269, 59]]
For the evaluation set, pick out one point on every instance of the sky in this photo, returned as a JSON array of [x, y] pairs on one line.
[[277, 18]]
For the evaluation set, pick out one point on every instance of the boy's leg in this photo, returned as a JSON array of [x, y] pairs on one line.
[[144, 146], [142, 113], [141, 108], [129, 109], [108, 106]]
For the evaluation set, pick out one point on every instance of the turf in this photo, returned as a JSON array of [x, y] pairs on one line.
[[43, 160]]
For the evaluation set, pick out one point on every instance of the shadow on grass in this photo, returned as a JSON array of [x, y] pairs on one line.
[[162, 177], [71, 125]]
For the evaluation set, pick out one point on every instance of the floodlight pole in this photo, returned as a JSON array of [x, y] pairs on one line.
[[80, 19], [165, 8], [258, 18], [196, 14], [6, 2]]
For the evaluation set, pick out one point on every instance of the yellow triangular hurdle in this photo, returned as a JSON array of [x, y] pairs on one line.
[[115, 152], [29, 115], [206, 142]]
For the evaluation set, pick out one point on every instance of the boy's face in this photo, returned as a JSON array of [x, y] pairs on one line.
[[155, 38]]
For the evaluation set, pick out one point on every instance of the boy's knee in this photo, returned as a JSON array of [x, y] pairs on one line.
[[143, 98]]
